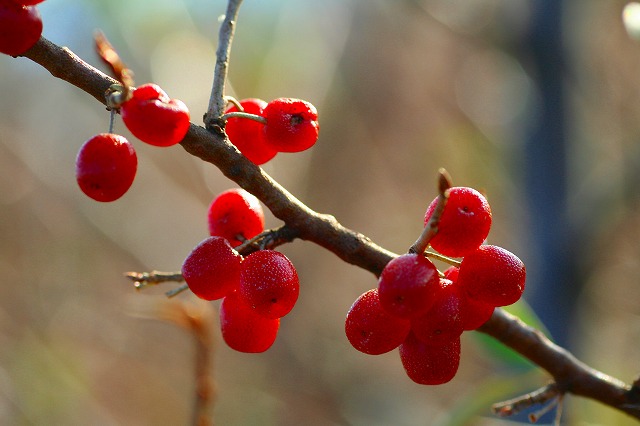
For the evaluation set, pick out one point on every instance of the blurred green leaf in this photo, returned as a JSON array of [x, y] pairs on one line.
[[501, 354]]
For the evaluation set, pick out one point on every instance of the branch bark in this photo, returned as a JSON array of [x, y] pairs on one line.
[[569, 374]]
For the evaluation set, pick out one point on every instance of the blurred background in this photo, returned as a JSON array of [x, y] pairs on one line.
[[533, 103]]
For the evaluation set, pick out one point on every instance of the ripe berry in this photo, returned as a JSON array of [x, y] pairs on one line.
[[212, 269], [106, 166], [236, 215], [464, 224], [408, 285], [427, 363], [370, 329], [248, 135], [154, 118], [243, 329], [292, 124], [492, 275], [269, 283], [20, 27], [443, 322], [474, 312]]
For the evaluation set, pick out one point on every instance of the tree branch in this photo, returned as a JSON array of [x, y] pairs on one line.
[[569, 374]]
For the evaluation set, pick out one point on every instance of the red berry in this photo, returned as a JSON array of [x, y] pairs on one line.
[[269, 283], [443, 322], [408, 285], [370, 329], [492, 275], [236, 215], [464, 224], [154, 118], [20, 27], [429, 364], [474, 312], [292, 124], [212, 269], [106, 166], [243, 329], [248, 135]]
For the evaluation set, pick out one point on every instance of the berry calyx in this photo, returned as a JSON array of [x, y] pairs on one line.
[[154, 118], [106, 166], [427, 363], [269, 283], [20, 27], [236, 215], [464, 224], [243, 329], [408, 285], [292, 124], [492, 275], [370, 329], [443, 322], [248, 135], [212, 269]]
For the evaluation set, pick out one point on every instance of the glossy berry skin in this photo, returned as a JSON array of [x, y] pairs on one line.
[[443, 322], [106, 166], [212, 269], [464, 224], [492, 275], [474, 312], [235, 212], [248, 135], [269, 283], [154, 118], [243, 329], [370, 329], [292, 125], [408, 286], [20, 27], [429, 364]]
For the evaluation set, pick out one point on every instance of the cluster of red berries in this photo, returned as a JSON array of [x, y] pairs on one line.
[[20, 25], [256, 290], [424, 312], [287, 125], [106, 164]]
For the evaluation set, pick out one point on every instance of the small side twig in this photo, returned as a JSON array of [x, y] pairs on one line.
[[225, 37], [537, 397], [144, 279]]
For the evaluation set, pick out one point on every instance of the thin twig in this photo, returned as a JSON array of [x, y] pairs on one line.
[[217, 100], [144, 279], [431, 227], [516, 405]]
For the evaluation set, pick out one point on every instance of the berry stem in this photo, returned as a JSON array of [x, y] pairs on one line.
[[217, 100], [112, 119], [239, 114], [445, 259], [431, 228], [234, 101]]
